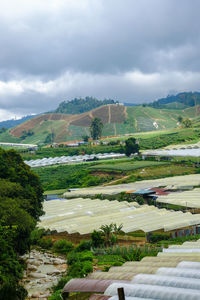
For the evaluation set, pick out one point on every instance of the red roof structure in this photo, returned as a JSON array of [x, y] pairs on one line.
[[88, 285], [99, 297]]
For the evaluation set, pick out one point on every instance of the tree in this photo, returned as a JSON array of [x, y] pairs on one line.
[[117, 229], [180, 119], [107, 231], [131, 146], [187, 123], [97, 239], [85, 138], [21, 197], [96, 128]]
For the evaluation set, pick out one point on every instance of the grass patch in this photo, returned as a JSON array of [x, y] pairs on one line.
[[128, 165]]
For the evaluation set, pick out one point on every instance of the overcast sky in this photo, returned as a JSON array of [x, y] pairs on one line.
[[129, 50]]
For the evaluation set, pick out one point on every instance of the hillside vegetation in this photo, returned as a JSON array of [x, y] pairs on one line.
[[81, 105], [117, 120], [179, 101], [12, 123]]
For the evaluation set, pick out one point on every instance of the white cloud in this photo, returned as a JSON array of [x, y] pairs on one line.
[[128, 50]]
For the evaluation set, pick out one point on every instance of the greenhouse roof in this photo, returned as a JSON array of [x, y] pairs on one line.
[[88, 285], [187, 198], [85, 215], [173, 183], [160, 277]]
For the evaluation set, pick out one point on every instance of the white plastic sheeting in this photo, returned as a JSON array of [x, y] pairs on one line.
[[173, 183], [171, 281], [196, 250], [189, 265], [70, 159], [179, 272], [85, 215], [174, 152], [187, 198], [129, 298], [154, 292]]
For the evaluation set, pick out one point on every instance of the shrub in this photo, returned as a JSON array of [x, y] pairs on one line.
[[61, 283], [97, 239], [87, 267], [36, 235], [113, 239], [80, 269], [56, 295], [72, 257], [45, 243], [85, 255], [79, 256], [113, 260], [62, 246], [84, 245]]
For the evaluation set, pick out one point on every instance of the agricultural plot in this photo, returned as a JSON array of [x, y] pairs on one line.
[[128, 166], [117, 120]]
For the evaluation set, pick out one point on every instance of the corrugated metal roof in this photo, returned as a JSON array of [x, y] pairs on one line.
[[144, 192], [88, 285]]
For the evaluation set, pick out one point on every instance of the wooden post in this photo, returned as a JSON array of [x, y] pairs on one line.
[[121, 293]]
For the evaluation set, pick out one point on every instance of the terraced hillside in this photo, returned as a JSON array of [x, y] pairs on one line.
[[117, 120]]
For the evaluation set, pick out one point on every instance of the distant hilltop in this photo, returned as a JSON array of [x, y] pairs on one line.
[[179, 101], [81, 105]]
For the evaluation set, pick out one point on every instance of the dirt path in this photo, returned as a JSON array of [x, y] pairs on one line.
[[116, 180], [136, 124], [91, 115], [125, 112], [115, 130], [109, 114]]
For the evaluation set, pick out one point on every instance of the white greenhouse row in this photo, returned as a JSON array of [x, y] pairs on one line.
[[172, 183], [191, 152], [71, 159], [163, 277], [85, 215], [186, 198]]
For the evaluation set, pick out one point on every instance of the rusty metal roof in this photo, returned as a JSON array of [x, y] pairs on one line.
[[88, 285], [99, 297]]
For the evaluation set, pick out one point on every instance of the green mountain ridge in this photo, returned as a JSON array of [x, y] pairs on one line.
[[117, 120], [81, 105], [179, 101]]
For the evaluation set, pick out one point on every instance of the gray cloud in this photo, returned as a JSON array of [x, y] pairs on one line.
[[128, 50]]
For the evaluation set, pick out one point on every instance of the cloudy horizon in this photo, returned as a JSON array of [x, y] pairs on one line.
[[131, 51]]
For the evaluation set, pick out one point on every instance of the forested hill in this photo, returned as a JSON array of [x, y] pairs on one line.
[[81, 105], [179, 101]]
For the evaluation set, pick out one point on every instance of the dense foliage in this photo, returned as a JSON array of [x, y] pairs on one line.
[[96, 128], [184, 100], [68, 176], [131, 146], [20, 207], [81, 105], [163, 140], [67, 151]]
